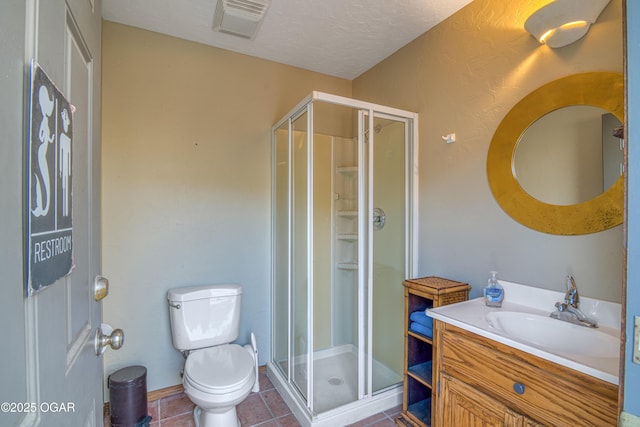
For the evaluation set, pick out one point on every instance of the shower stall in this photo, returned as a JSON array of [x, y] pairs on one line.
[[343, 201]]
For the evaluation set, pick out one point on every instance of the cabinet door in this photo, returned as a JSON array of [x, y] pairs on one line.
[[461, 405]]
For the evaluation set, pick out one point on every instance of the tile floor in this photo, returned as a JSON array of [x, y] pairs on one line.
[[263, 409]]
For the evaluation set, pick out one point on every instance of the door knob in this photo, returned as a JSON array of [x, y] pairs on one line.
[[107, 336]]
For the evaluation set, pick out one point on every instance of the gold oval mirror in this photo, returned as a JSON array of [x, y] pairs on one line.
[[569, 155], [598, 89]]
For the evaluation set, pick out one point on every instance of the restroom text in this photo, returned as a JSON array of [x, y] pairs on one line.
[[47, 249]]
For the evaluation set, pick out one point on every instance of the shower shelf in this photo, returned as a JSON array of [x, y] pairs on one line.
[[350, 214], [348, 236], [348, 169], [348, 266]]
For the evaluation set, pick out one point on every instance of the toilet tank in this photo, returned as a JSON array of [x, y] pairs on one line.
[[204, 316]]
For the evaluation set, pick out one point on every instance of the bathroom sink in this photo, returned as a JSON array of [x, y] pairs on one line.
[[554, 335]]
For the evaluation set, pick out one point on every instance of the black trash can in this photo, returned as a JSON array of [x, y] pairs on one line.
[[128, 402]]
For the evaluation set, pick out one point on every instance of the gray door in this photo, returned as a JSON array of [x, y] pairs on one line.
[[55, 377]]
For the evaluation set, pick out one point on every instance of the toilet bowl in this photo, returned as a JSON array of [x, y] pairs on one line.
[[218, 375], [217, 379]]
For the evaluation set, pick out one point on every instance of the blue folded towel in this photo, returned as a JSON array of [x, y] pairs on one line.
[[422, 318], [421, 329]]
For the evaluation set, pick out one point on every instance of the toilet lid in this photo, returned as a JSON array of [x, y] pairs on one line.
[[219, 369]]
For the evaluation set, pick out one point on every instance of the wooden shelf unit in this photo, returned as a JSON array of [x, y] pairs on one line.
[[419, 295]]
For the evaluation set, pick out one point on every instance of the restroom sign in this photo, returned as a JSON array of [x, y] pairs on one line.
[[50, 139]]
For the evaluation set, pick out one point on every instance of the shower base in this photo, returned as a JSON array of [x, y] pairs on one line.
[[336, 389]]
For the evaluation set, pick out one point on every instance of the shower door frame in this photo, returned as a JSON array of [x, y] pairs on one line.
[[365, 229]]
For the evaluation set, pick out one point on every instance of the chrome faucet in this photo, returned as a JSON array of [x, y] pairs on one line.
[[572, 297], [569, 310]]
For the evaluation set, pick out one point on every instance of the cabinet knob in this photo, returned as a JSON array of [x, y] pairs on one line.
[[518, 388]]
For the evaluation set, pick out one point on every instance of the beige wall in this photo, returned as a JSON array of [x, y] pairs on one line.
[[463, 76], [186, 182]]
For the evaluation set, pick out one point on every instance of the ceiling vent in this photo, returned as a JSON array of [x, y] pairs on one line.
[[240, 18]]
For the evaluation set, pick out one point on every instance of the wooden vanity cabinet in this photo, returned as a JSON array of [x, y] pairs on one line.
[[485, 383], [419, 295], [465, 406]]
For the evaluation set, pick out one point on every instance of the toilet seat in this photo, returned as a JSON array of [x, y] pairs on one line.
[[221, 369]]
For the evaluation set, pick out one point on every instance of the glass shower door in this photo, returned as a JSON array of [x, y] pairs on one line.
[[388, 177], [281, 246], [300, 306]]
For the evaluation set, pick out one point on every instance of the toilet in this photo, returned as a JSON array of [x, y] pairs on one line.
[[218, 375]]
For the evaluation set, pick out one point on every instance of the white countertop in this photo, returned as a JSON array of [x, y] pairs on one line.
[[471, 316]]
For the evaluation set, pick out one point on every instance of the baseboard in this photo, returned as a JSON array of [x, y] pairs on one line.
[[164, 392]]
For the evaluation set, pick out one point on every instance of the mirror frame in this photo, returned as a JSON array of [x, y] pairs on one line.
[[599, 89]]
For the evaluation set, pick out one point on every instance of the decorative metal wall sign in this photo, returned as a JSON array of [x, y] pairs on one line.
[[50, 236]]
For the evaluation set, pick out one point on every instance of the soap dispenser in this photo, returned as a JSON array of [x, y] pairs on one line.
[[494, 292]]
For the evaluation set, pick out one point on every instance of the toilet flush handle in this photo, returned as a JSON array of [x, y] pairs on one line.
[[253, 350], [256, 385]]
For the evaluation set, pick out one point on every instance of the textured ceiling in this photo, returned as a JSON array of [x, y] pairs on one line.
[[341, 38]]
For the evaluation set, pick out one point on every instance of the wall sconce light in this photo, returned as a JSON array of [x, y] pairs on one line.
[[563, 22]]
